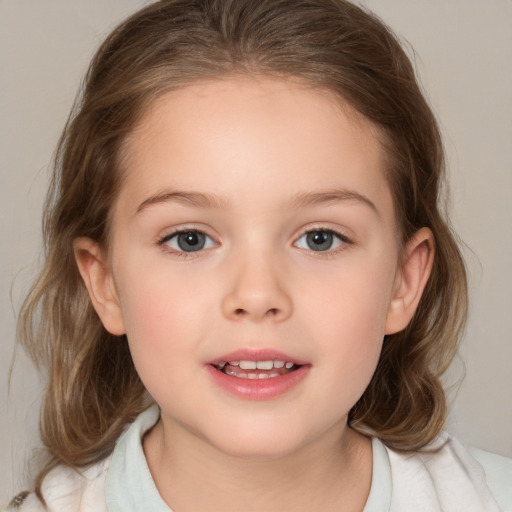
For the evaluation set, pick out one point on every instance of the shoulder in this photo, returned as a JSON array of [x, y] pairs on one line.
[[452, 476], [498, 471], [68, 489]]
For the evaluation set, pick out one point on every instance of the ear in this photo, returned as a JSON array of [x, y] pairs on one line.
[[411, 280], [97, 276]]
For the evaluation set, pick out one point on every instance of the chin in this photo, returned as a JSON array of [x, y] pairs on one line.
[[259, 450], [268, 441]]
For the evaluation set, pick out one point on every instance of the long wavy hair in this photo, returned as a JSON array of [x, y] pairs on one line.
[[93, 389]]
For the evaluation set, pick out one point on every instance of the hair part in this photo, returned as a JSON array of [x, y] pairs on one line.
[[93, 389]]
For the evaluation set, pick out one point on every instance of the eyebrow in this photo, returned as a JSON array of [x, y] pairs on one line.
[[301, 200], [197, 199], [332, 196]]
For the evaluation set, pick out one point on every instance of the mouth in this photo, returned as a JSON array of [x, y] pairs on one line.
[[257, 374], [266, 369]]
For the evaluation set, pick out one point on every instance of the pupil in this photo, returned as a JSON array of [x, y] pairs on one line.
[[319, 240], [191, 241]]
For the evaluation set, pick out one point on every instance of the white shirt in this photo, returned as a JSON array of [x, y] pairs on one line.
[[449, 480]]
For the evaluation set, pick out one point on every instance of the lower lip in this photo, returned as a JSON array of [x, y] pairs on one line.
[[258, 389]]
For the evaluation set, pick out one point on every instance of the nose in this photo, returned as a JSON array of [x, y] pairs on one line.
[[256, 291]]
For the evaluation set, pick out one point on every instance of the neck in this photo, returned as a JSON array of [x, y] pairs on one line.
[[333, 473]]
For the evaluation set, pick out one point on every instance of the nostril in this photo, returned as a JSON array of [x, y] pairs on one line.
[[239, 312], [273, 311]]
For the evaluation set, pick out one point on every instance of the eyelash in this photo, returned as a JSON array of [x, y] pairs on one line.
[[163, 241], [343, 239]]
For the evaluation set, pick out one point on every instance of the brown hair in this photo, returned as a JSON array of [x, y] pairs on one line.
[[93, 388]]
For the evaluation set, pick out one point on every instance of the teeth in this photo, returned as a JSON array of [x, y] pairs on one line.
[[265, 365], [252, 376], [248, 365], [256, 365]]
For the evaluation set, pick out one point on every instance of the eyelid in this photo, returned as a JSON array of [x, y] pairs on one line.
[[344, 239], [163, 240]]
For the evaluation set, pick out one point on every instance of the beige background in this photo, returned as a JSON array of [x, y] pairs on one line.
[[463, 57]]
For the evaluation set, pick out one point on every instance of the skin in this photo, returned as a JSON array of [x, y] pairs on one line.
[[259, 149]]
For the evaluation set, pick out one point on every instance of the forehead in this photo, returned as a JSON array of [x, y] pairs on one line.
[[243, 136]]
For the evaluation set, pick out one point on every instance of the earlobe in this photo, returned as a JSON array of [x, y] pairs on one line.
[[98, 280], [411, 280]]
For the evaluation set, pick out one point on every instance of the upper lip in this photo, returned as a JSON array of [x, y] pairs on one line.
[[259, 354]]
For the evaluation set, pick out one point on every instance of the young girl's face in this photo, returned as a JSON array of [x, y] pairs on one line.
[[254, 226]]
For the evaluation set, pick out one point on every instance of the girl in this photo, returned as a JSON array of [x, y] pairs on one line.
[[249, 293]]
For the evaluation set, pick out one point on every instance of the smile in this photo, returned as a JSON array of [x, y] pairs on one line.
[[257, 374], [256, 369]]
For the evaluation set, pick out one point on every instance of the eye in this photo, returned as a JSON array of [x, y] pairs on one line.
[[188, 241], [320, 240]]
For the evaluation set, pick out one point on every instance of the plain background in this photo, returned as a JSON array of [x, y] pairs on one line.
[[463, 59]]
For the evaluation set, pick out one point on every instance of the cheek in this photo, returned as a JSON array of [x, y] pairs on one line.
[[351, 299], [156, 302], [347, 316], [161, 314]]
